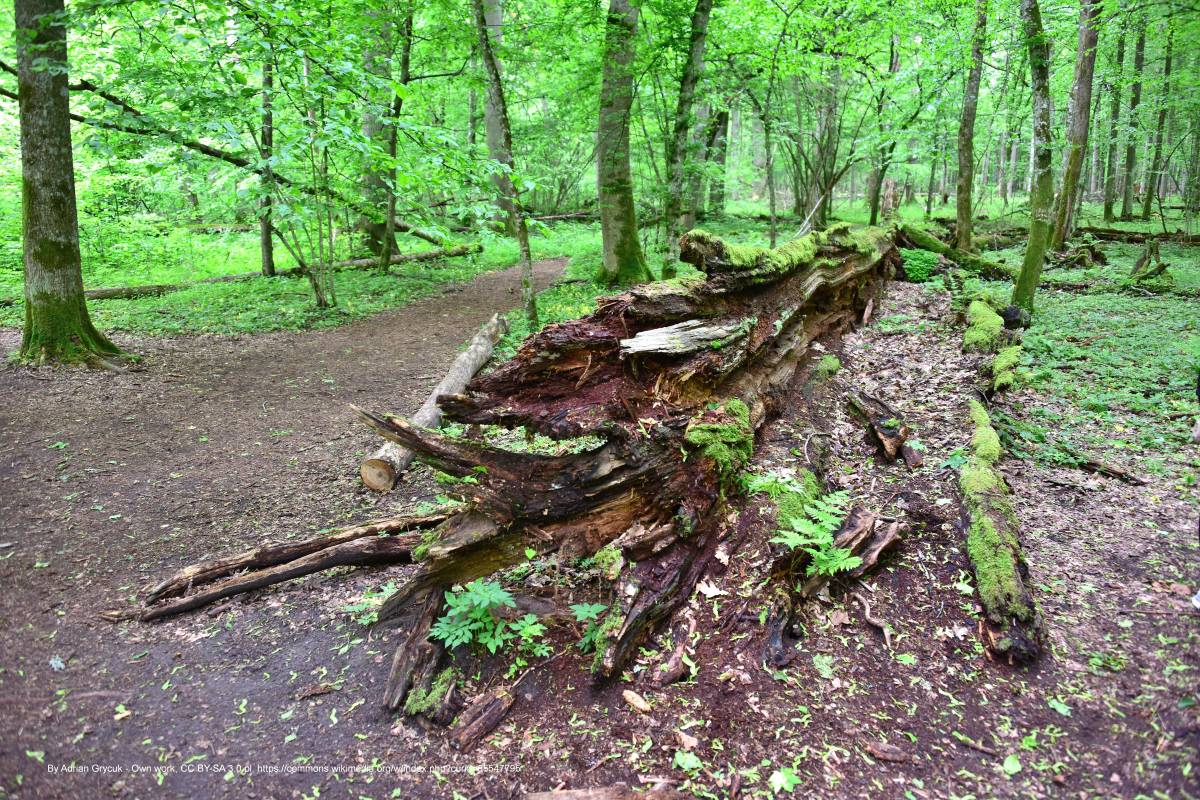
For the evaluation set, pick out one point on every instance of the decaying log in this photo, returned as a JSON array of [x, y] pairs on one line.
[[885, 425], [671, 423], [381, 541], [1135, 237], [1149, 264], [482, 715], [152, 290], [618, 792], [912, 236], [380, 470]]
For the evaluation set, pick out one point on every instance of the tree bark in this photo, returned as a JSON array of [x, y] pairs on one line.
[[1154, 175], [266, 230], [1114, 127], [624, 263], [375, 128], [677, 155], [1079, 119], [380, 470], [717, 149], [499, 136], [1135, 98], [966, 130], [1042, 187], [57, 325]]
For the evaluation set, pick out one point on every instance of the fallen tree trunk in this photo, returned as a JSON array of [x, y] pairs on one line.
[[152, 290], [673, 379], [1135, 237], [380, 470], [912, 236]]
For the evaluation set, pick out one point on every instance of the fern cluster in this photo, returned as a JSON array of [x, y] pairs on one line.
[[812, 533]]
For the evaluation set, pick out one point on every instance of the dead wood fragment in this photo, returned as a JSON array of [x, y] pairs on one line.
[[853, 535], [887, 752], [380, 470], [480, 717], [880, 624], [1135, 237], [416, 656], [885, 425], [616, 792], [672, 669], [1095, 465]]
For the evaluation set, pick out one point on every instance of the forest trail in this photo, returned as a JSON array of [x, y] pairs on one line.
[[215, 443]]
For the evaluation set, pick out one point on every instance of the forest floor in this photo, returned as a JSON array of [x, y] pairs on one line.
[[221, 442]]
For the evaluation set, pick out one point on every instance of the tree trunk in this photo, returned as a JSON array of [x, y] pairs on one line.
[[1042, 187], [499, 136], [1135, 98], [624, 262], [1114, 127], [676, 155], [1154, 176], [717, 150], [266, 231], [375, 181], [1079, 119], [57, 325], [966, 131]]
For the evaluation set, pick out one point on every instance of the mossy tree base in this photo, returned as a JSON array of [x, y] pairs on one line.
[[59, 331]]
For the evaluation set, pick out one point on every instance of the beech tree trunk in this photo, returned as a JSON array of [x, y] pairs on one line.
[[1135, 98], [376, 179], [676, 155], [499, 136], [57, 325], [1042, 189], [966, 131], [1154, 174], [624, 263], [1079, 120]]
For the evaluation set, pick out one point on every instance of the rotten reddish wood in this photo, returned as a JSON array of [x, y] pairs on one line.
[[672, 380], [480, 717]]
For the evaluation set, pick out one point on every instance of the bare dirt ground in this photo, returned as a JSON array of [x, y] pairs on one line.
[[109, 481]]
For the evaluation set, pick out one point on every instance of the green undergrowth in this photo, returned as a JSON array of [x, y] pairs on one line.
[[266, 304]]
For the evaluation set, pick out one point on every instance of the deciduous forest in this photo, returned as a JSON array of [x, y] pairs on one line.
[[600, 399]]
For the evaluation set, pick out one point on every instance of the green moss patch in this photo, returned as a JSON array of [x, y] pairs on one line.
[[828, 366], [724, 435], [984, 328], [1004, 368], [421, 701], [984, 440]]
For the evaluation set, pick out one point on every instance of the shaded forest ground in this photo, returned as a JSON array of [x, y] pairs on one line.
[[108, 481]]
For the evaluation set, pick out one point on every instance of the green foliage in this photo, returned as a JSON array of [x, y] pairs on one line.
[[813, 532], [919, 265], [471, 618], [828, 366], [366, 609], [593, 634]]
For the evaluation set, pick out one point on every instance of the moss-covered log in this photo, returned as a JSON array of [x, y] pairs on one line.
[[912, 236], [1012, 621]]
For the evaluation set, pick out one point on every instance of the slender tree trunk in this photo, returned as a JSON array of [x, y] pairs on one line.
[[1042, 193], [624, 262], [1079, 119], [57, 326], [966, 131], [374, 128], [932, 180], [1154, 176], [266, 230], [1135, 98], [676, 155], [502, 152], [388, 243], [717, 149], [1114, 125]]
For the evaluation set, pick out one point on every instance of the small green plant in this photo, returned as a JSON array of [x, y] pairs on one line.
[[589, 613], [812, 534], [919, 265], [471, 617], [366, 610]]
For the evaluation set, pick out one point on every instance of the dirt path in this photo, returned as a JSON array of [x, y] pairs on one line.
[[219, 442]]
